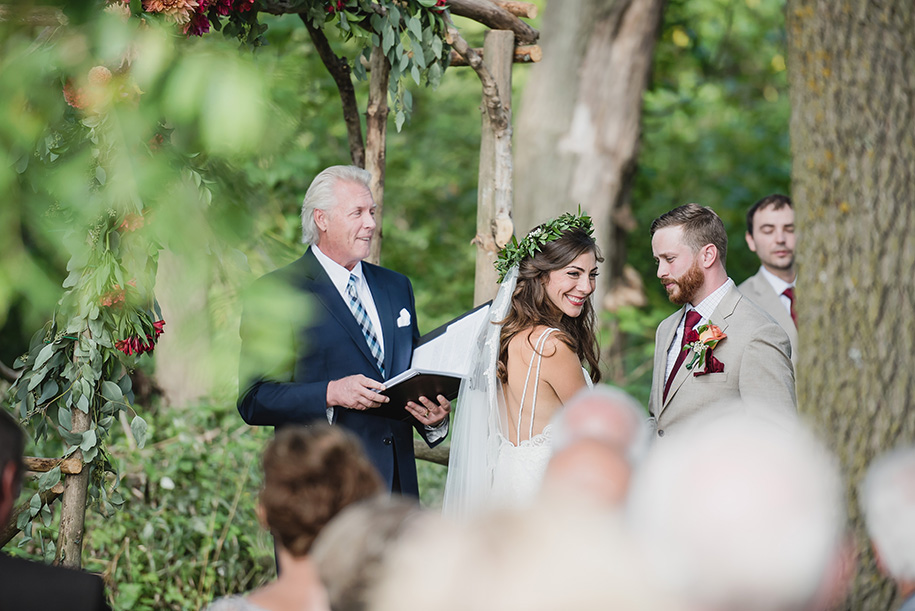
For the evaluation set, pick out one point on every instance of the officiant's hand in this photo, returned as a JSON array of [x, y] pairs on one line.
[[429, 413], [355, 392]]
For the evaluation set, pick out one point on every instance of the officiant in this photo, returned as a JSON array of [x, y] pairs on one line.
[[360, 330]]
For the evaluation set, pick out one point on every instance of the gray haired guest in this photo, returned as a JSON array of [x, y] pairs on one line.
[[887, 497], [742, 511]]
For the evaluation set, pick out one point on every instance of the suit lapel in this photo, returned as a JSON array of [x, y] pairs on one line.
[[666, 337], [719, 317], [769, 301], [383, 306], [333, 302]]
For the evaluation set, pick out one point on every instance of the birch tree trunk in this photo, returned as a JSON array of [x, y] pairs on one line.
[[580, 119], [376, 131], [852, 81]]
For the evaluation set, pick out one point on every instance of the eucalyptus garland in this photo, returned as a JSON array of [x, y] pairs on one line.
[[514, 252]]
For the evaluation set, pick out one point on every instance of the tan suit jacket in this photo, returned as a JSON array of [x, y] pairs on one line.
[[756, 355], [760, 292]]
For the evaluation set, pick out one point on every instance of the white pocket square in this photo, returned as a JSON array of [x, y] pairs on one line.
[[404, 319]]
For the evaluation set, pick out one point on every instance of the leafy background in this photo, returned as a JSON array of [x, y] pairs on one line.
[[715, 131]]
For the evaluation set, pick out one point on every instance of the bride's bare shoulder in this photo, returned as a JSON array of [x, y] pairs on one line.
[[526, 340]]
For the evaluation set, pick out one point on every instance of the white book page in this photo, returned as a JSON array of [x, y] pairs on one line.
[[452, 351]]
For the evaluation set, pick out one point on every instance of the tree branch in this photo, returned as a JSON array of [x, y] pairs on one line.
[[10, 530], [495, 17], [498, 117], [340, 72]]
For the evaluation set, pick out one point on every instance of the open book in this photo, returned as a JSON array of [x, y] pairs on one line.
[[441, 359]]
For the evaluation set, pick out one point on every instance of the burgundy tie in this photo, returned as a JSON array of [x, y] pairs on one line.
[[789, 293], [692, 319]]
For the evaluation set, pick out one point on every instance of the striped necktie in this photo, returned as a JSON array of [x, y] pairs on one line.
[[365, 323]]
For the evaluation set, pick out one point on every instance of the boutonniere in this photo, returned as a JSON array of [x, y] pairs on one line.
[[701, 343]]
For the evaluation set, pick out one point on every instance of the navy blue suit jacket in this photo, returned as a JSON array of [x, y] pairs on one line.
[[331, 346]]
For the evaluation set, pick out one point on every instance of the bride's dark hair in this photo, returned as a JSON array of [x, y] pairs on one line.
[[531, 306]]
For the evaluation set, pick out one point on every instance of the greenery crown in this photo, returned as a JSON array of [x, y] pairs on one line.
[[514, 252]]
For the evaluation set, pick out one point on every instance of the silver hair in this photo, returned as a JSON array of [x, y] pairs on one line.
[[604, 408], [321, 195], [887, 497], [739, 510]]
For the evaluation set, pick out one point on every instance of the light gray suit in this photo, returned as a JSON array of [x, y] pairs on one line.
[[756, 355], [760, 292]]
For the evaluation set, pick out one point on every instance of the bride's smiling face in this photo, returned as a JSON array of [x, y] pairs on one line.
[[570, 287]]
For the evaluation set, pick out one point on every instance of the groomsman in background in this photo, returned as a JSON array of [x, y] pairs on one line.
[[770, 234], [743, 354]]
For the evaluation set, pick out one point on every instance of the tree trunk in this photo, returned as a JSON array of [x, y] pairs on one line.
[[852, 81], [73, 505], [580, 120], [494, 191], [376, 124]]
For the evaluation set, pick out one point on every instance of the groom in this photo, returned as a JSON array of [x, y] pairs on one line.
[[360, 331], [752, 360]]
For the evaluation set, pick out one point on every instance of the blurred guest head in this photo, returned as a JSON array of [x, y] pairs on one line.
[[742, 511], [12, 443], [350, 550], [535, 560], [599, 437], [310, 474], [887, 497]]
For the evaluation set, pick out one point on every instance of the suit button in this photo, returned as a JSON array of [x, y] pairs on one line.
[[388, 441], [660, 432]]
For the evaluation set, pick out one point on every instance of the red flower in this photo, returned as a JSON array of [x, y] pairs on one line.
[[243, 6], [199, 23], [113, 297], [223, 7], [132, 222], [135, 345], [440, 5], [335, 6], [74, 96]]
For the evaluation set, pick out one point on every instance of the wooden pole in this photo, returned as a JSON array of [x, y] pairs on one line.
[[376, 123], [73, 504], [494, 191]]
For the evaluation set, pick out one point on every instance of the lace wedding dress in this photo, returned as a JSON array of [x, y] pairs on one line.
[[485, 469]]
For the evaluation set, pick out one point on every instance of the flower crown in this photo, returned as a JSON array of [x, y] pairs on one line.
[[514, 252]]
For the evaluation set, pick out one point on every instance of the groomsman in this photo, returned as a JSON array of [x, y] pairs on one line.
[[360, 331], [770, 234], [752, 355]]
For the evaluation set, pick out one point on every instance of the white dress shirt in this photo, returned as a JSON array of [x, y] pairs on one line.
[[706, 308], [339, 276]]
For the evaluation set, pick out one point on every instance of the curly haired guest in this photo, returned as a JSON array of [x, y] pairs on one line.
[[310, 474]]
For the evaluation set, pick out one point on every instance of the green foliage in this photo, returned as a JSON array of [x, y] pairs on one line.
[[190, 532], [515, 251], [716, 122]]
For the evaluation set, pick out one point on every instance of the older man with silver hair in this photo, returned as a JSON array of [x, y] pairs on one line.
[[360, 332], [887, 497], [742, 511], [598, 439]]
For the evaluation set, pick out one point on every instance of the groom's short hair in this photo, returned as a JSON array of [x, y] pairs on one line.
[[321, 195], [700, 225]]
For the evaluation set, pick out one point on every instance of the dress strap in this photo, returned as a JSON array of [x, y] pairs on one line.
[[538, 355]]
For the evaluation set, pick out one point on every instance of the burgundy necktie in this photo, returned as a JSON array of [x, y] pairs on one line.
[[692, 319], [789, 293]]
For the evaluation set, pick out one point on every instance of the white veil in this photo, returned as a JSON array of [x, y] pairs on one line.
[[475, 440]]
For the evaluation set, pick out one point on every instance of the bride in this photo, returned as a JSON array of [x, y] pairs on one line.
[[529, 363]]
